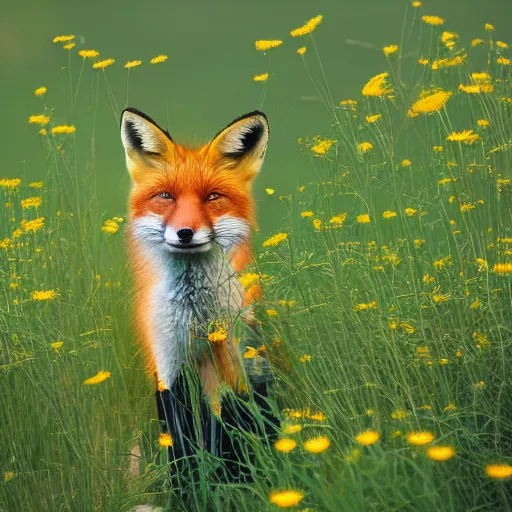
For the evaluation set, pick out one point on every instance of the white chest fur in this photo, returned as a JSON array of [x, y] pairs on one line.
[[195, 290]]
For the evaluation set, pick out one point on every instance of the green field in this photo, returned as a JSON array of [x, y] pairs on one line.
[[386, 265]]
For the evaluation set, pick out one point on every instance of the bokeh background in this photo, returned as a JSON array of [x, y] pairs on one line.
[[207, 80]]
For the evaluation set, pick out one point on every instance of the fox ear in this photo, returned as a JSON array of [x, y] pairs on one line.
[[244, 140], [143, 140]]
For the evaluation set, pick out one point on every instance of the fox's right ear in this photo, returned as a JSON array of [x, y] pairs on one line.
[[145, 143]]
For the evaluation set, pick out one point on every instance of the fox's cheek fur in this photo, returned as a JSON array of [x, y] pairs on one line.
[[230, 231]]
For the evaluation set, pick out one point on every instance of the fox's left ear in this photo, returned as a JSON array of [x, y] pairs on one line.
[[244, 141]]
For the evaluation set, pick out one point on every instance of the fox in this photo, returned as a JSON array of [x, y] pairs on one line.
[[191, 215]]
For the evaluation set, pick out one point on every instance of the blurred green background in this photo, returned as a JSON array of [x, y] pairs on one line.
[[207, 80]]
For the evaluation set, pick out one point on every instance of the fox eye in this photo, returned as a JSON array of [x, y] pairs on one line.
[[164, 195], [213, 196]]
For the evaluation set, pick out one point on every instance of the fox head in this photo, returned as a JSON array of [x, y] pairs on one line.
[[184, 200]]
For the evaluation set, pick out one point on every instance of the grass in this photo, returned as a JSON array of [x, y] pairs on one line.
[[395, 322]]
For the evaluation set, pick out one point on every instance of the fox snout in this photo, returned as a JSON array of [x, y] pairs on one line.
[[188, 240]]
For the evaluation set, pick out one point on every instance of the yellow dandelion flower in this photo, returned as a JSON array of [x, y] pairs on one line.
[[44, 295], [476, 304], [440, 453], [260, 78], [439, 298], [438, 149], [433, 20], [275, 240], [69, 46], [365, 305], [489, 27], [88, 54], [8, 475], [419, 438], [110, 226], [483, 123], [158, 59], [449, 62], [165, 440], [317, 444], [353, 103], [269, 191], [317, 223], [56, 345], [96, 379], [423, 61], [406, 163], [102, 64], [377, 86], [308, 27], [476, 42], [368, 437], [416, 3], [267, 44], [466, 136], [338, 219], [410, 212], [306, 358], [323, 146], [9, 182], [285, 445], [388, 214], [400, 414], [501, 44], [132, 64], [498, 470], [451, 406], [502, 268], [31, 202], [302, 50], [285, 499], [63, 39], [33, 225], [58, 130], [364, 147], [42, 131], [431, 103], [36, 184], [419, 242], [372, 119], [476, 88], [292, 429], [307, 214], [364, 218], [271, 312], [503, 61], [40, 91], [448, 36], [39, 119], [388, 50], [218, 336]]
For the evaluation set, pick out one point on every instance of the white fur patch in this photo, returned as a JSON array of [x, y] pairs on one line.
[[148, 133], [230, 231]]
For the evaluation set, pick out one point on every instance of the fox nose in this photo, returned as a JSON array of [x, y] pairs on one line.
[[185, 235]]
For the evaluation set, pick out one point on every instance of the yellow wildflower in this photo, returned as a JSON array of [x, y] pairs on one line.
[[465, 207], [285, 499], [218, 336], [431, 103], [292, 429], [406, 163], [353, 103], [388, 214], [364, 147], [372, 119], [448, 36], [377, 86], [363, 306], [88, 54], [307, 214], [165, 440], [323, 146], [501, 44], [408, 328], [306, 358], [364, 218], [69, 46], [308, 27], [440, 453], [57, 130], [8, 475], [260, 78], [489, 27], [302, 50], [503, 61], [483, 123], [317, 444], [9, 182], [410, 212], [40, 91], [400, 414], [317, 223], [158, 59], [102, 64], [63, 39], [31, 202], [420, 438], [498, 470], [96, 379], [33, 225], [271, 312], [44, 295], [476, 304], [132, 64], [285, 445], [466, 136], [448, 63], [56, 345], [451, 405], [36, 184], [502, 268], [476, 88], [423, 61], [438, 149], [275, 240], [433, 20], [388, 50], [338, 219], [476, 42], [439, 298], [39, 119], [483, 264], [368, 437], [110, 226], [266, 44]]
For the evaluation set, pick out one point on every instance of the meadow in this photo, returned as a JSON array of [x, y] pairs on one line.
[[386, 314]]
